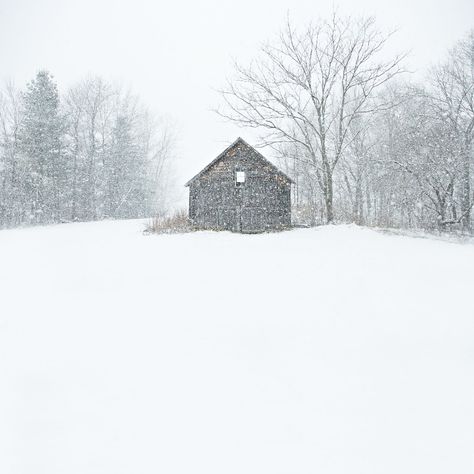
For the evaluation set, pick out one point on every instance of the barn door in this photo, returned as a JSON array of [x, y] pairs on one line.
[[228, 219]]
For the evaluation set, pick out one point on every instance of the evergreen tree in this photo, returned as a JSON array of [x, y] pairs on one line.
[[40, 139], [96, 155], [126, 172]]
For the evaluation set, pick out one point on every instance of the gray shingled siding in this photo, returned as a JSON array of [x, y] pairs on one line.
[[262, 203]]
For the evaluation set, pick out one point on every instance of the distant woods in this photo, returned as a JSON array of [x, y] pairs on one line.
[[362, 142], [92, 153]]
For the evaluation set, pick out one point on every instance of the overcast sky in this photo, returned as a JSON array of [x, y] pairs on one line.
[[175, 53]]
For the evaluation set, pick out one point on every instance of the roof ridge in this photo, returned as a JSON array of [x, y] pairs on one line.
[[223, 153]]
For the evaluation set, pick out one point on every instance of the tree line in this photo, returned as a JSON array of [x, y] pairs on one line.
[[95, 152], [363, 142]]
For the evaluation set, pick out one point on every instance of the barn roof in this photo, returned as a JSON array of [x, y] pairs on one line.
[[224, 153]]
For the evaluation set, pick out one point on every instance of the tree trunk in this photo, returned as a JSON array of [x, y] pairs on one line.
[[466, 192], [328, 197]]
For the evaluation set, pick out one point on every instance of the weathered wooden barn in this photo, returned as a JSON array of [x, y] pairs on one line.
[[240, 191]]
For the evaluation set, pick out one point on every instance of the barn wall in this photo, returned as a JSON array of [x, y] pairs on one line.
[[263, 202]]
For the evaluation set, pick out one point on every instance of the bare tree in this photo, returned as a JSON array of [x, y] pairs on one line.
[[119, 152], [357, 168], [425, 152], [11, 197], [308, 88], [453, 97]]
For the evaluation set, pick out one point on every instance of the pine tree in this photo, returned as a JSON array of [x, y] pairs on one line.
[[126, 172], [40, 139]]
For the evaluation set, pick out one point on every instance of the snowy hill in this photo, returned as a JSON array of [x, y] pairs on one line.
[[329, 350]]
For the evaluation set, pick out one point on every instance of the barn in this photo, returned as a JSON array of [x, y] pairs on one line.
[[240, 191]]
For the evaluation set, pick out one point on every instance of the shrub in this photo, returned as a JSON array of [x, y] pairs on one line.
[[176, 223]]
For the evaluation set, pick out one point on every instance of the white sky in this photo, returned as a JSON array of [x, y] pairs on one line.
[[175, 53]]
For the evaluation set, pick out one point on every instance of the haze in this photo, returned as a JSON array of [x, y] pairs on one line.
[[175, 54]]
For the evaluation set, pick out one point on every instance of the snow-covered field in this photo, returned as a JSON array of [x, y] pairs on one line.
[[329, 350]]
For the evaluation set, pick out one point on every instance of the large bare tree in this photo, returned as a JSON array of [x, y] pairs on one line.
[[307, 88]]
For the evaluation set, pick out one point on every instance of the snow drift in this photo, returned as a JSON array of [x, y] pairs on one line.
[[332, 350]]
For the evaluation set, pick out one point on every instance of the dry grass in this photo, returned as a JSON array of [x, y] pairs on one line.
[[177, 223]]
